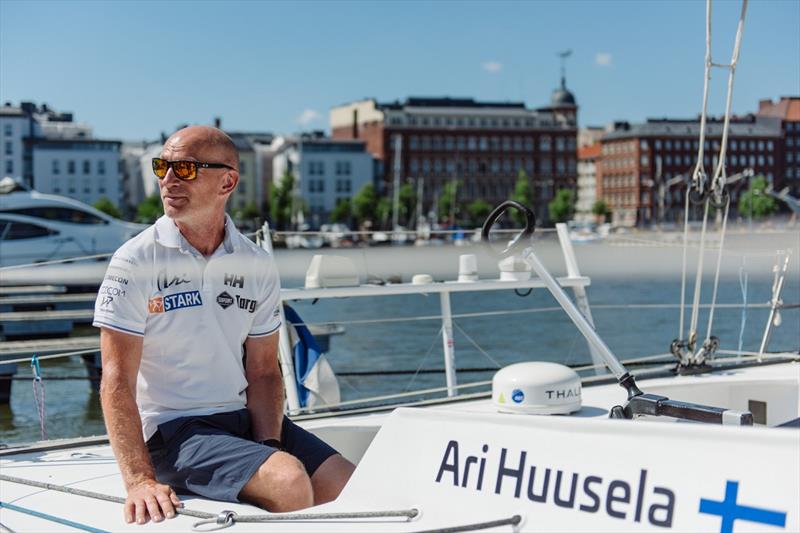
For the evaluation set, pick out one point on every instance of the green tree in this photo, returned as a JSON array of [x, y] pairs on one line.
[[478, 210], [447, 201], [105, 205], [281, 201], [342, 211], [755, 202], [600, 209], [365, 204], [408, 200], [383, 212], [522, 194], [562, 207], [150, 209], [248, 212]]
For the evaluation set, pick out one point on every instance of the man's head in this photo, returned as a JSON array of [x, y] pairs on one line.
[[196, 200]]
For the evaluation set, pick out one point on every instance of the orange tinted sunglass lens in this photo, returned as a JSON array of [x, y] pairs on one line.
[[185, 170], [160, 167]]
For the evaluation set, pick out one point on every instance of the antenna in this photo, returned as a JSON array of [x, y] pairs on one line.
[[563, 55]]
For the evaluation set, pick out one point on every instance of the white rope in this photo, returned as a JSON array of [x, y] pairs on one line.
[[57, 261], [698, 281], [719, 266], [683, 269], [743, 286]]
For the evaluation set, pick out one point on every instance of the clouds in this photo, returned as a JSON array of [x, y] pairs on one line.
[[492, 67], [602, 59], [307, 117]]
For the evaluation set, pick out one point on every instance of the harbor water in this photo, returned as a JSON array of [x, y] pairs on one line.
[[634, 305]]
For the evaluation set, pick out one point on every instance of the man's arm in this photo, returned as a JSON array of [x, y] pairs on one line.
[[122, 354], [264, 386]]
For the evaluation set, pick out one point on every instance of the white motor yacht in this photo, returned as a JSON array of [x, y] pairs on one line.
[[36, 227]]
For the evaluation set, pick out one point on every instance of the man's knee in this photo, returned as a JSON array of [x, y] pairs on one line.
[[280, 484]]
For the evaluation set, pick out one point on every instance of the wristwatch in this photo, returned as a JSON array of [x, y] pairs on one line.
[[272, 443]]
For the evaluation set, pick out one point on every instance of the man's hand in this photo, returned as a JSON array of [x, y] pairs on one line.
[[150, 499]]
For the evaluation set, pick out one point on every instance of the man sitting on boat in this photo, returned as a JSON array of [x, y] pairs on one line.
[[190, 318]]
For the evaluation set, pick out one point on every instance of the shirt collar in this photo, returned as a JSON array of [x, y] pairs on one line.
[[168, 234]]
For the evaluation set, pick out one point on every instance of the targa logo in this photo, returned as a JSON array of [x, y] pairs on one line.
[[164, 304]]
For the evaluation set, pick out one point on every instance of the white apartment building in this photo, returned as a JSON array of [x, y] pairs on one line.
[[15, 125], [326, 171], [587, 182], [84, 169]]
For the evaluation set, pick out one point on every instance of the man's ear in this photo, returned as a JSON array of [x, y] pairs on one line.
[[229, 182]]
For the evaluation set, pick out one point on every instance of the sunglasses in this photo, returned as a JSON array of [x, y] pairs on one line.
[[184, 170]]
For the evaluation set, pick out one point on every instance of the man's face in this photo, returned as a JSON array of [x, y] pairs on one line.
[[184, 200]]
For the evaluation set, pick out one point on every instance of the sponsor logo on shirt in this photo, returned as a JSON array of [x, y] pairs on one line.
[[117, 279], [225, 300], [105, 303], [164, 281], [276, 312], [246, 304], [172, 302], [234, 280], [113, 291]]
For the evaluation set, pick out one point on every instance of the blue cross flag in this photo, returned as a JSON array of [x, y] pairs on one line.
[[730, 511]]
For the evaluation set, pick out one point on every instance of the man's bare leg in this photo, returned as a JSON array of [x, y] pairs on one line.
[[330, 478], [281, 484]]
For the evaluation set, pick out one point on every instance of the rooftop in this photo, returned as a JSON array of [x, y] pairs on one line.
[[447, 102]]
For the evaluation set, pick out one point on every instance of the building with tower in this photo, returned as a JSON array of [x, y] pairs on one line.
[[483, 146]]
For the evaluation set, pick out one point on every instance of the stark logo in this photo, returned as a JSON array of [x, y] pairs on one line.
[[224, 300], [155, 304]]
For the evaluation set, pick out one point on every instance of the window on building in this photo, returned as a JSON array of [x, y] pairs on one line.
[[242, 167], [760, 146], [56, 166], [87, 166], [643, 144], [518, 144], [426, 166], [506, 144], [472, 143], [668, 144], [414, 165], [461, 143], [413, 142], [241, 188], [529, 144], [437, 143], [70, 167], [645, 161], [687, 144], [657, 144], [483, 144], [733, 144], [561, 167], [9, 148], [449, 143], [770, 146], [87, 186], [667, 160], [752, 145], [8, 130], [546, 165], [544, 143], [494, 143], [101, 167], [425, 141], [9, 167], [437, 165]]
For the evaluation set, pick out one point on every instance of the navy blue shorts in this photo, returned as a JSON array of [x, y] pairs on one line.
[[215, 456]]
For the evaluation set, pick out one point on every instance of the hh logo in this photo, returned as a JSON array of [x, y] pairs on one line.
[[730, 511], [155, 304], [234, 280]]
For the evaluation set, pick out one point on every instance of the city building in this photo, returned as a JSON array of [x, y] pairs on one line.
[[326, 171], [84, 169], [587, 181], [641, 162], [786, 111], [482, 145], [48, 151]]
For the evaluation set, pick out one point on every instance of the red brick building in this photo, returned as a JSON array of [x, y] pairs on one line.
[[786, 112], [482, 145], [636, 158]]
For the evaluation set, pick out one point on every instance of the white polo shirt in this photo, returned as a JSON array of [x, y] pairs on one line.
[[194, 314]]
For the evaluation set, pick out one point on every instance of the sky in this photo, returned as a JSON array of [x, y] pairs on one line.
[[136, 69]]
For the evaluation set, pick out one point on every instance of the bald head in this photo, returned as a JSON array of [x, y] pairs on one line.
[[206, 143]]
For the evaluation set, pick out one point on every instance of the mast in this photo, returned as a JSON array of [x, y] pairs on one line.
[[398, 148]]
